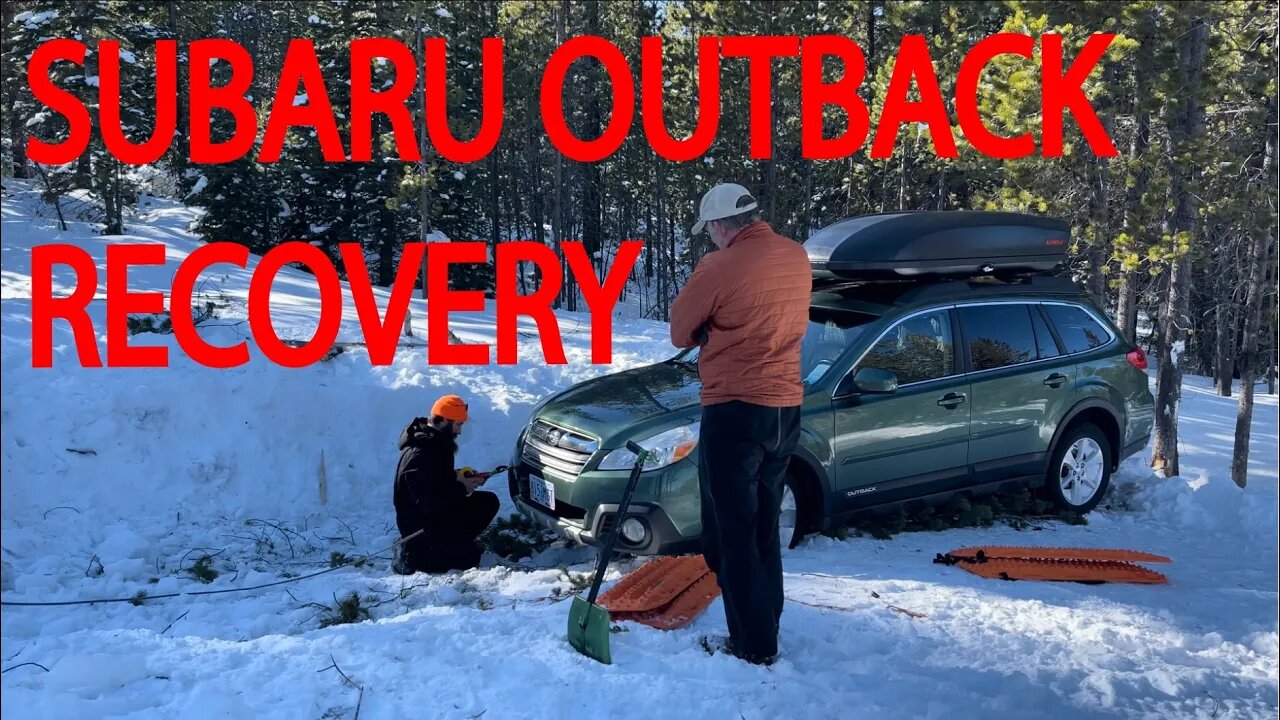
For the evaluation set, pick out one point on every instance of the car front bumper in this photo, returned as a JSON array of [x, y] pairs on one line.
[[666, 505]]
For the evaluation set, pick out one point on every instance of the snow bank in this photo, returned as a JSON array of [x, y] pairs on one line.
[[1209, 504], [1204, 499]]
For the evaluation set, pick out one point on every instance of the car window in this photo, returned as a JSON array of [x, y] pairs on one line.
[[1045, 346], [917, 349], [829, 333], [1079, 331], [998, 335]]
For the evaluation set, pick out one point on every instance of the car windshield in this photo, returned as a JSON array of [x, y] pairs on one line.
[[829, 333]]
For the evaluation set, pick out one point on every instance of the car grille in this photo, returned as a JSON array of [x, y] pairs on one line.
[[544, 449]]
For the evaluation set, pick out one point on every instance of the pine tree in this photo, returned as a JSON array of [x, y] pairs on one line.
[[240, 199], [1186, 127]]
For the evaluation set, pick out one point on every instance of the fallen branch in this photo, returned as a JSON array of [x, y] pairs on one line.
[[91, 572], [182, 561], [82, 451], [350, 532], [908, 613], [60, 507], [349, 681], [175, 620], [824, 606], [15, 667], [283, 533]]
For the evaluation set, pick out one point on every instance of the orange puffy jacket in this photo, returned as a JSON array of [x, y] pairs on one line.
[[752, 299]]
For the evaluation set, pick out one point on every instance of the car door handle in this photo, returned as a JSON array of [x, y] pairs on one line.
[[951, 400], [1055, 380]]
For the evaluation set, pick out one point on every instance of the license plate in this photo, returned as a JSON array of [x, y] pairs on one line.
[[542, 492]]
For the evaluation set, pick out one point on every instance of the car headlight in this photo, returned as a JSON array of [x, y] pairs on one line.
[[664, 448]]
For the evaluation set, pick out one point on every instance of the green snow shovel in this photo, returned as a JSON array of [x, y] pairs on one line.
[[588, 622]]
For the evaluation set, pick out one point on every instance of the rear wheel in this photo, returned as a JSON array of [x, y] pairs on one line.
[[794, 512], [1080, 470]]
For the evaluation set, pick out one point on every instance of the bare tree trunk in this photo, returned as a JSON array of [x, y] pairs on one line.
[[424, 144], [1271, 363], [902, 180], [1170, 356], [178, 158], [1099, 218], [537, 208], [1224, 364], [1260, 261], [495, 209], [659, 243], [1272, 354], [17, 123], [53, 195], [1139, 173], [1175, 318], [518, 218], [806, 220], [1127, 305], [494, 164], [557, 219], [770, 189], [671, 262], [116, 221], [591, 231], [1248, 362], [1217, 311]]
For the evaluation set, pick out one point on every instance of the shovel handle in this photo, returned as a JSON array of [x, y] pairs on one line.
[[606, 552]]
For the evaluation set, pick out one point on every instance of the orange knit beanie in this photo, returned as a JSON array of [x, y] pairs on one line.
[[450, 407]]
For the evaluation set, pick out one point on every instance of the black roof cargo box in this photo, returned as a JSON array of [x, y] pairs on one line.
[[915, 245]]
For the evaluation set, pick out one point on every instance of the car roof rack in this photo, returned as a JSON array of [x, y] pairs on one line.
[[992, 285]]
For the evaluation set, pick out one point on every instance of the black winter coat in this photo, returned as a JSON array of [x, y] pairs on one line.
[[427, 490]]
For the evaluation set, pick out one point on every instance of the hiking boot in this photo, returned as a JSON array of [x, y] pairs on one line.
[[718, 644], [399, 565]]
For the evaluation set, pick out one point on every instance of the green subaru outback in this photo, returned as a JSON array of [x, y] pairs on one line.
[[941, 357]]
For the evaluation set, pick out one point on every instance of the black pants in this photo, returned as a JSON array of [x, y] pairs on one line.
[[450, 543], [743, 450]]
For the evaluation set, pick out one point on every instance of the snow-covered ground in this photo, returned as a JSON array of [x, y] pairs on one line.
[[117, 480]]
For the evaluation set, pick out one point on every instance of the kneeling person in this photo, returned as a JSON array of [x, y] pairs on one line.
[[430, 495]]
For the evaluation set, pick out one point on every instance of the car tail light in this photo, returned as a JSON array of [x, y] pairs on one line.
[[1137, 358]]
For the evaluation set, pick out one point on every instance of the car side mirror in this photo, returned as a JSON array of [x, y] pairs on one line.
[[875, 381]]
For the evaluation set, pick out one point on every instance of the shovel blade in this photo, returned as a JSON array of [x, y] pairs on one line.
[[589, 629]]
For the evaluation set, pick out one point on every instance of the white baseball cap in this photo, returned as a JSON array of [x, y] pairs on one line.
[[722, 201]]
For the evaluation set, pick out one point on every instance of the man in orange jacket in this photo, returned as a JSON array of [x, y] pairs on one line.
[[747, 307], [430, 495]]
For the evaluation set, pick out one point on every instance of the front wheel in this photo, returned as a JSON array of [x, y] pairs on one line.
[[1080, 470]]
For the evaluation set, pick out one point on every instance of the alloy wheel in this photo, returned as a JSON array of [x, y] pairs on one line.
[[1080, 474]]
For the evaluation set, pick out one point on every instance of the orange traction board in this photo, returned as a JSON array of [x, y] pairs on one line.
[[654, 584], [1088, 565], [1056, 553], [682, 610], [664, 593]]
